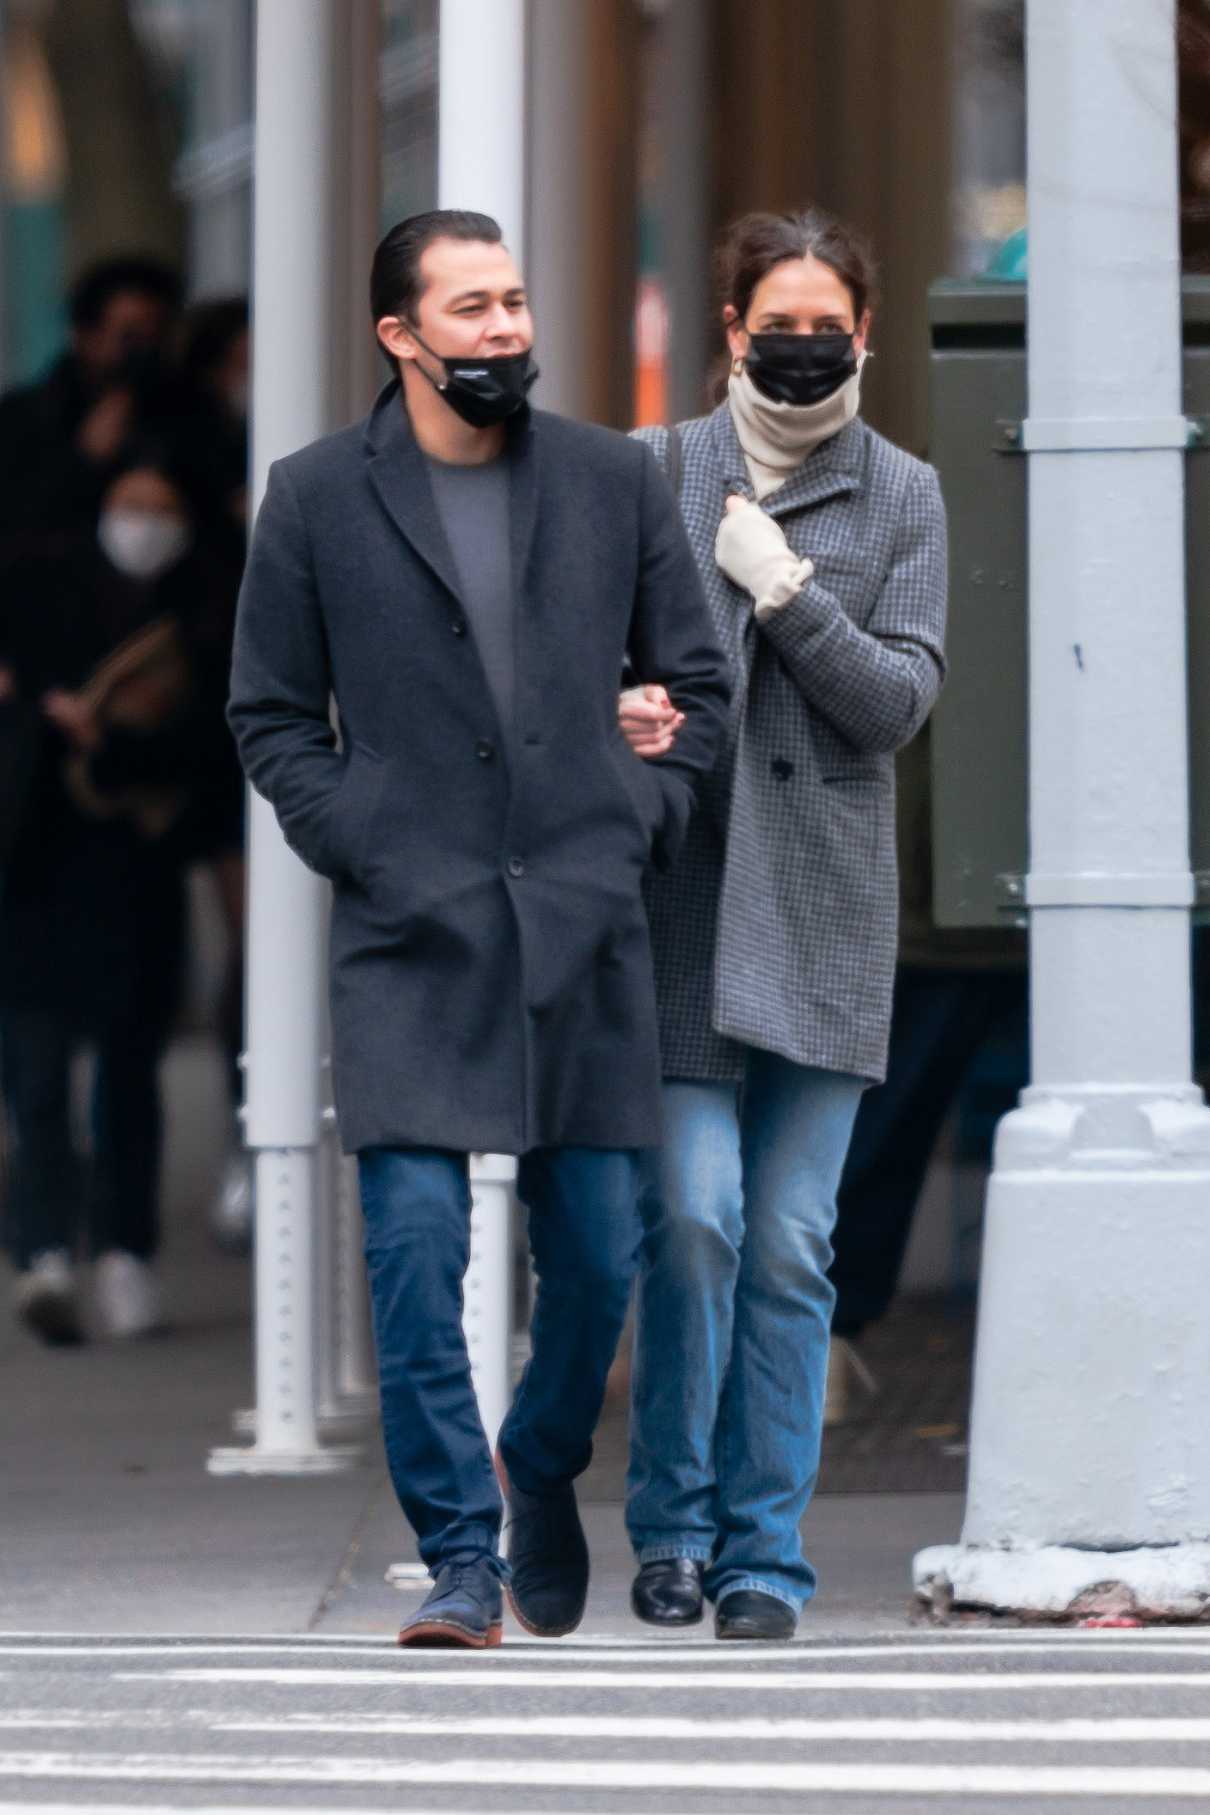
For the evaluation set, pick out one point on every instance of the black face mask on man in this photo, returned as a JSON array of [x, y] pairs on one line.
[[800, 368], [483, 391]]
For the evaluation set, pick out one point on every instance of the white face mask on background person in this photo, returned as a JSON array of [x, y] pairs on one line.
[[143, 544]]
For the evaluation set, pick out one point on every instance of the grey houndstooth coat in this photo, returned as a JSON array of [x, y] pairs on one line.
[[777, 927]]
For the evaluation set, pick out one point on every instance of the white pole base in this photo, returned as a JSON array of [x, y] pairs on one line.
[[1089, 1482], [326, 1461], [344, 1419], [1056, 1582]]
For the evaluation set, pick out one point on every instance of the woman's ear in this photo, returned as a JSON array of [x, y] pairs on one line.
[[863, 332], [737, 336]]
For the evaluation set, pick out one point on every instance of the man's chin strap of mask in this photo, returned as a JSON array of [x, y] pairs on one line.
[[482, 391]]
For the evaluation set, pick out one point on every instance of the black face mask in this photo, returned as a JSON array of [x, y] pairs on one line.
[[800, 368], [484, 391]]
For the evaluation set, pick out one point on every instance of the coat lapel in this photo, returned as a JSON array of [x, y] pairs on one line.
[[399, 475]]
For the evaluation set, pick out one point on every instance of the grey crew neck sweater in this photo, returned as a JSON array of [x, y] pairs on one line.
[[472, 502]]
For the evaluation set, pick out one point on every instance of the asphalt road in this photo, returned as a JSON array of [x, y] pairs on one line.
[[985, 1721]]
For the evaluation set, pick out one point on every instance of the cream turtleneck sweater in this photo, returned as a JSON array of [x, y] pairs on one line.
[[776, 438]]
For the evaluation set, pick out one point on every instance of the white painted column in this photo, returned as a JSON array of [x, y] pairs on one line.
[[481, 165], [293, 213], [1090, 1471]]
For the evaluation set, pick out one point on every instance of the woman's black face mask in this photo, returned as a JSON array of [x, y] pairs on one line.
[[800, 368]]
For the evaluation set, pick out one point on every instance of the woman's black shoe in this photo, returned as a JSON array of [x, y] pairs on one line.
[[668, 1593], [748, 1614]]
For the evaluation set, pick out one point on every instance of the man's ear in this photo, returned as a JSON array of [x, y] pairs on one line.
[[393, 334]]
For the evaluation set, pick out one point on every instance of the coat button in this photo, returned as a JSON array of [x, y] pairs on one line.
[[516, 867], [458, 626], [485, 750], [781, 768]]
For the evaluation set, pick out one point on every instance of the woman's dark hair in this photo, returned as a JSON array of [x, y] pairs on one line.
[[754, 244], [395, 286]]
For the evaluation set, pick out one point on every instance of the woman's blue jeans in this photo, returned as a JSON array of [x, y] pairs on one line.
[[734, 1311]]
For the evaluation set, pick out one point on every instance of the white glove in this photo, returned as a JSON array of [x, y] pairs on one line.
[[752, 550]]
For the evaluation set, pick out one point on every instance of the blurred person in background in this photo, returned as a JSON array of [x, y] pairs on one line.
[[215, 355], [822, 550], [114, 641], [960, 1004], [62, 438]]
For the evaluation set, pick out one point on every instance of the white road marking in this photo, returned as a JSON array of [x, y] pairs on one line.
[[1171, 1731], [614, 1774], [260, 1808], [504, 1677], [696, 1651]]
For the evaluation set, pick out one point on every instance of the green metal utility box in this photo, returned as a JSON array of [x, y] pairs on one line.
[[979, 729]]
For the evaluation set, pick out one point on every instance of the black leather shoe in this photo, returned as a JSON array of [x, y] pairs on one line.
[[669, 1592], [547, 1558], [747, 1614], [462, 1608]]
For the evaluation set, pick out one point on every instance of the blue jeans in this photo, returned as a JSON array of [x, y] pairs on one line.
[[584, 1236], [734, 1308]]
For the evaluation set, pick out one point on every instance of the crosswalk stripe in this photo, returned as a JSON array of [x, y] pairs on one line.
[[1171, 1730], [502, 1676], [1108, 1730], [1153, 1643], [614, 1774]]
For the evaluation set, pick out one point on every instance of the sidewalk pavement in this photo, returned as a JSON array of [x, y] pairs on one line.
[[110, 1524]]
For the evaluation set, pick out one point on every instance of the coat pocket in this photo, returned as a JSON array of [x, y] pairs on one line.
[[352, 811]]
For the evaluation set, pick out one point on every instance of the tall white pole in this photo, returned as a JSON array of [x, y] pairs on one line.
[[293, 211], [481, 165], [1090, 1470]]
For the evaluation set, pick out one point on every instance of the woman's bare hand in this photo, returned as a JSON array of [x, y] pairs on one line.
[[649, 720]]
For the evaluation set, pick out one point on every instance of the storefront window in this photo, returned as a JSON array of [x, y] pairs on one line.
[[989, 114]]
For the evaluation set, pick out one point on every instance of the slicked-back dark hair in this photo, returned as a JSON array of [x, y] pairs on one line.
[[395, 283], [754, 244], [97, 285]]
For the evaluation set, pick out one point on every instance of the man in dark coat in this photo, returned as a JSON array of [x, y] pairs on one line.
[[465, 577]]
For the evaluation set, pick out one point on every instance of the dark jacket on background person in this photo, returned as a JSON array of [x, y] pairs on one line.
[[47, 485], [491, 970], [778, 927], [91, 905]]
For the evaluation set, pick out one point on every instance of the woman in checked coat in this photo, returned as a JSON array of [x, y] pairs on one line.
[[822, 549]]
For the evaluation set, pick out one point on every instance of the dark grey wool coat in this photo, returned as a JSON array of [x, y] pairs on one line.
[[491, 967], [778, 926]]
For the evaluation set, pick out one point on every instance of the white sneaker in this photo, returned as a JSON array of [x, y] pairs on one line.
[[845, 1368], [127, 1294], [231, 1213], [46, 1299]]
